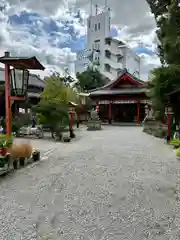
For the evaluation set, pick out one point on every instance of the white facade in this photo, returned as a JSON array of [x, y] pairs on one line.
[[82, 61], [110, 55]]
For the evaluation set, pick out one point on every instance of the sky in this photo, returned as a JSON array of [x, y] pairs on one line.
[[55, 30]]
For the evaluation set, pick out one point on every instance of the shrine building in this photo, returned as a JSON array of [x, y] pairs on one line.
[[121, 100]]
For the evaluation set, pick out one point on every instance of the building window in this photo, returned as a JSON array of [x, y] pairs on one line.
[[107, 67], [95, 27], [89, 23], [119, 72], [99, 26], [109, 23], [98, 61], [108, 54], [108, 41], [97, 45], [119, 58]]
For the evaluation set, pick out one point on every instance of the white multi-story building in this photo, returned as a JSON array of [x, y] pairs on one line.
[[108, 54], [82, 61]]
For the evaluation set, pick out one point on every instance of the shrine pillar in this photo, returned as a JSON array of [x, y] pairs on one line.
[[97, 107], [138, 113], [110, 112]]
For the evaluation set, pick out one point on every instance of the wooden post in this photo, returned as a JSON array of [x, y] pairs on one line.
[[70, 121], [7, 99], [110, 113], [97, 107], [138, 112], [169, 113], [169, 116]]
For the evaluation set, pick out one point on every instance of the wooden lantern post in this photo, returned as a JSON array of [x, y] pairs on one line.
[[71, 114], [71, 110], [169, 113], [18, 64]]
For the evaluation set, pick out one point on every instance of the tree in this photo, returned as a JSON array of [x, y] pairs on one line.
[[167, 16], [89, 80], [54, 104], [66, 80], [163, 81], [166, 78], [158, 7], [58, 90]]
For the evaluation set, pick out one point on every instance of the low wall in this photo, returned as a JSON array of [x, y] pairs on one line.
[[155, 128]]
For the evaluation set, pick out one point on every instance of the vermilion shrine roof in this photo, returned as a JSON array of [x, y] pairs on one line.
[[132, 85]]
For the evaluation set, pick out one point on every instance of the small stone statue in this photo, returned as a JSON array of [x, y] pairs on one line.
[[148, 111], [94, 115], [94, 122]]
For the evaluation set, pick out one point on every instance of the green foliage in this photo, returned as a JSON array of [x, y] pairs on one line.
[[64, 80], [5, 141], [53, 114], [167, 15], [56, 91], [175, 142], [23, 119], [160, 10], [165, 79], [89, 80], [158, 7], [53, 107], [178, 152]]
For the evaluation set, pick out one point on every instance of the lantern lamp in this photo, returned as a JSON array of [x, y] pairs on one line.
[[19, 82], [168, 110]]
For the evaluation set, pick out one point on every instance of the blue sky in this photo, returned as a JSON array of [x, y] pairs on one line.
[[75, 42], [55, 38]]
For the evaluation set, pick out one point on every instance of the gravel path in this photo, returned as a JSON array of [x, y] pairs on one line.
[[118, 183]]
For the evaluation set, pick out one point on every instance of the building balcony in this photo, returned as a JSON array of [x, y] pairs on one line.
[[115, 51], [108, 75], [113, 63]]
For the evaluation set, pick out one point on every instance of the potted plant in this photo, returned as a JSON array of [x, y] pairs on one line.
[[178, 153], [59, 132], [66, 137], [5, 143], [36, 155]]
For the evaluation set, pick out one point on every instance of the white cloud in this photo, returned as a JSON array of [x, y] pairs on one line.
[[136, 23], [147, 64]]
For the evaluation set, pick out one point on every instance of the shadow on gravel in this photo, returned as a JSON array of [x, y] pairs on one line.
[[48, 137]]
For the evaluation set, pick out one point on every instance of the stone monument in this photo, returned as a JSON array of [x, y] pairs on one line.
[[94, 123]]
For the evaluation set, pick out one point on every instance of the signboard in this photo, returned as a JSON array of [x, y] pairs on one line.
[[146, 102], [104, 102], [124, 101]]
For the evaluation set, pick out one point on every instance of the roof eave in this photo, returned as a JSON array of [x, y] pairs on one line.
[[96, 94]]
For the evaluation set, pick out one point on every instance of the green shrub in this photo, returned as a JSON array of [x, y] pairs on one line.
[[175, 142], [5, 141], [23, 119], [178, 152]]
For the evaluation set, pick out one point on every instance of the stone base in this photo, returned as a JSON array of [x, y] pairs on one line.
[[155, 128], [94, 125]]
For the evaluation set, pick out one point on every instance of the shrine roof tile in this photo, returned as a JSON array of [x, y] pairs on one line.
[[118, 91], [111, 83]]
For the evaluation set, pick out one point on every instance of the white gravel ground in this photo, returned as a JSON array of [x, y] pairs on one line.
[[118, 183]]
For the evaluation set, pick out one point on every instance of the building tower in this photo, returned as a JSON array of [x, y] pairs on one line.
[[109, 55], [98, 28]]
